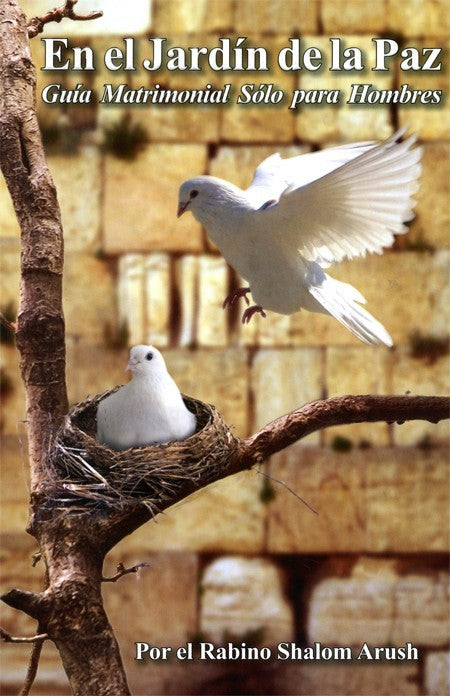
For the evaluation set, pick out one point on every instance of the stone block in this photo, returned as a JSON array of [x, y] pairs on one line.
[[276, 17], [141, 197], [144, 298], [437, 673], [367, 500], [358, 679], [131, 296], [427, 18], [279, 384], [399, 483], [78, 182], [15, 483], [422, 610], [433, 219], [84, 378], [186, 284], [358, 370], [429, 122], [157, 299], [187, 16], [439, 293], [415, 377], [212, 290], [228, 516], [333, 485], [89, 296], [240, 595], [193, 123], [319, 123], [13, 411], [379, 610], [260, 122], [346, 611], [9, 226], [354, 16], [114, 20]]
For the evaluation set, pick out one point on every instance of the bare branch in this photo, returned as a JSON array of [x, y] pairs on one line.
[[121, 571], [339, 410], [7, 638], [7, 324], [32, 603], [36, 25], [32, 668]]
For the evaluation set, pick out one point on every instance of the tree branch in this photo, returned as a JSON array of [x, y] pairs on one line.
[[121, 571], [32, 668], [7, 324], [7, 638], [36, 25], [339, 410]]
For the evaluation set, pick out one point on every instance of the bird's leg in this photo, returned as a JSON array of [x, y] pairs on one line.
[[250, 311], [234, 296]]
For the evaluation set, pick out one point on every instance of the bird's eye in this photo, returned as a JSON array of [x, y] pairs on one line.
[[149, 356], [193, 194]]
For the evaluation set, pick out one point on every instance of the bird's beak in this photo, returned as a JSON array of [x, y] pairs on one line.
[[182, 208], [131, 365]]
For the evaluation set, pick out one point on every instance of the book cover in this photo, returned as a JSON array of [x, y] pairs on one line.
[[324, 569]]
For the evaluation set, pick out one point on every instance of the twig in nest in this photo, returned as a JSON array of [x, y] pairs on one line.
[[121, 571], [36, 25], [7, 324], [8, 638]]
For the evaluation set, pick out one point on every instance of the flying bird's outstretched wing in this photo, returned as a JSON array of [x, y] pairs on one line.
[[275, 174], [354, 208]]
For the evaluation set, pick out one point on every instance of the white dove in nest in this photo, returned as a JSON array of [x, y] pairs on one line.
[[148, 410], [302, 214]]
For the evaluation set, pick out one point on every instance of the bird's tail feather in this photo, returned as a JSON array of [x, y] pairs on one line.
[[340, 300]]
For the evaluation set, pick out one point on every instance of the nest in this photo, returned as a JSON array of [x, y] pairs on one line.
[[85, 473]]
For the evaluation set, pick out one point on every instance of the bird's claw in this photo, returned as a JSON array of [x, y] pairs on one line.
[[234, 296], [250, 311]]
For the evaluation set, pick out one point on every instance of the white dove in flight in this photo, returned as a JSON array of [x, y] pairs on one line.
[[300, 215], [148, 410]]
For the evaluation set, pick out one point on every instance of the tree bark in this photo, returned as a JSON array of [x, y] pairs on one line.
[[70, 609], [40, 322]]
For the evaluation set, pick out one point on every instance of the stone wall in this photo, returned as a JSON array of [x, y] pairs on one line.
[[246, 557]]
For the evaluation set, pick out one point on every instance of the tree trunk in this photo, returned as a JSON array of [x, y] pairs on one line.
[[70, 610]]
